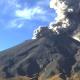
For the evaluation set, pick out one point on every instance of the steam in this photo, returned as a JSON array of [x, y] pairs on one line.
[[67, 19], [68, 15]]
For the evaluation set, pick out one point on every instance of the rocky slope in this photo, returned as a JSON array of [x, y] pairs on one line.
[[46, 56]]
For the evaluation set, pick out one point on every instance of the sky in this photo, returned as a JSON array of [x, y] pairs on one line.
[[19, 18]]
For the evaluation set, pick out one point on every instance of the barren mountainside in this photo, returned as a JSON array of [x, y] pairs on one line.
[[48, 55]]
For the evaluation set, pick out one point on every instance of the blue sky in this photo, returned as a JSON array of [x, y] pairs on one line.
[[18, 19]]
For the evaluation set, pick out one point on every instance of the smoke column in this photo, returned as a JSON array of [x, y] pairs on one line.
[[67, 19], [68, 16]]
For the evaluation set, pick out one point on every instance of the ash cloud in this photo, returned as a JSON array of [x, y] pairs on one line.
[[68, 15], [67, 20]]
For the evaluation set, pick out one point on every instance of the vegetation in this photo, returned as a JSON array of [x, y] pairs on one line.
[[17, 78], [56, 77]]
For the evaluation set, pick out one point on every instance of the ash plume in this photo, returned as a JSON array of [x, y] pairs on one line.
[[67, 20], [68, 15]]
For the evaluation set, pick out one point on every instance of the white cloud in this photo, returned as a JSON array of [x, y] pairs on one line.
[[16, 23], [20, 25], [29, 13], [9, 6], [18, 12]]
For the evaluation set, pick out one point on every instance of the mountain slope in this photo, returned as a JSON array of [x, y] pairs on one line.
[[48, 55]]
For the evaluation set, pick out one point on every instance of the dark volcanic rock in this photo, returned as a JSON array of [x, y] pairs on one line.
[[50, 53]]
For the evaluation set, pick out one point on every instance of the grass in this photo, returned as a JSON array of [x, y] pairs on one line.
[[42, 77]]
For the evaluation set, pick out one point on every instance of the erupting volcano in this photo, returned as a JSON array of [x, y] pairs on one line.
[[54, 51]]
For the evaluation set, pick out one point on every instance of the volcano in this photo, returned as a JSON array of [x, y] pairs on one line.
[[49, 54]]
